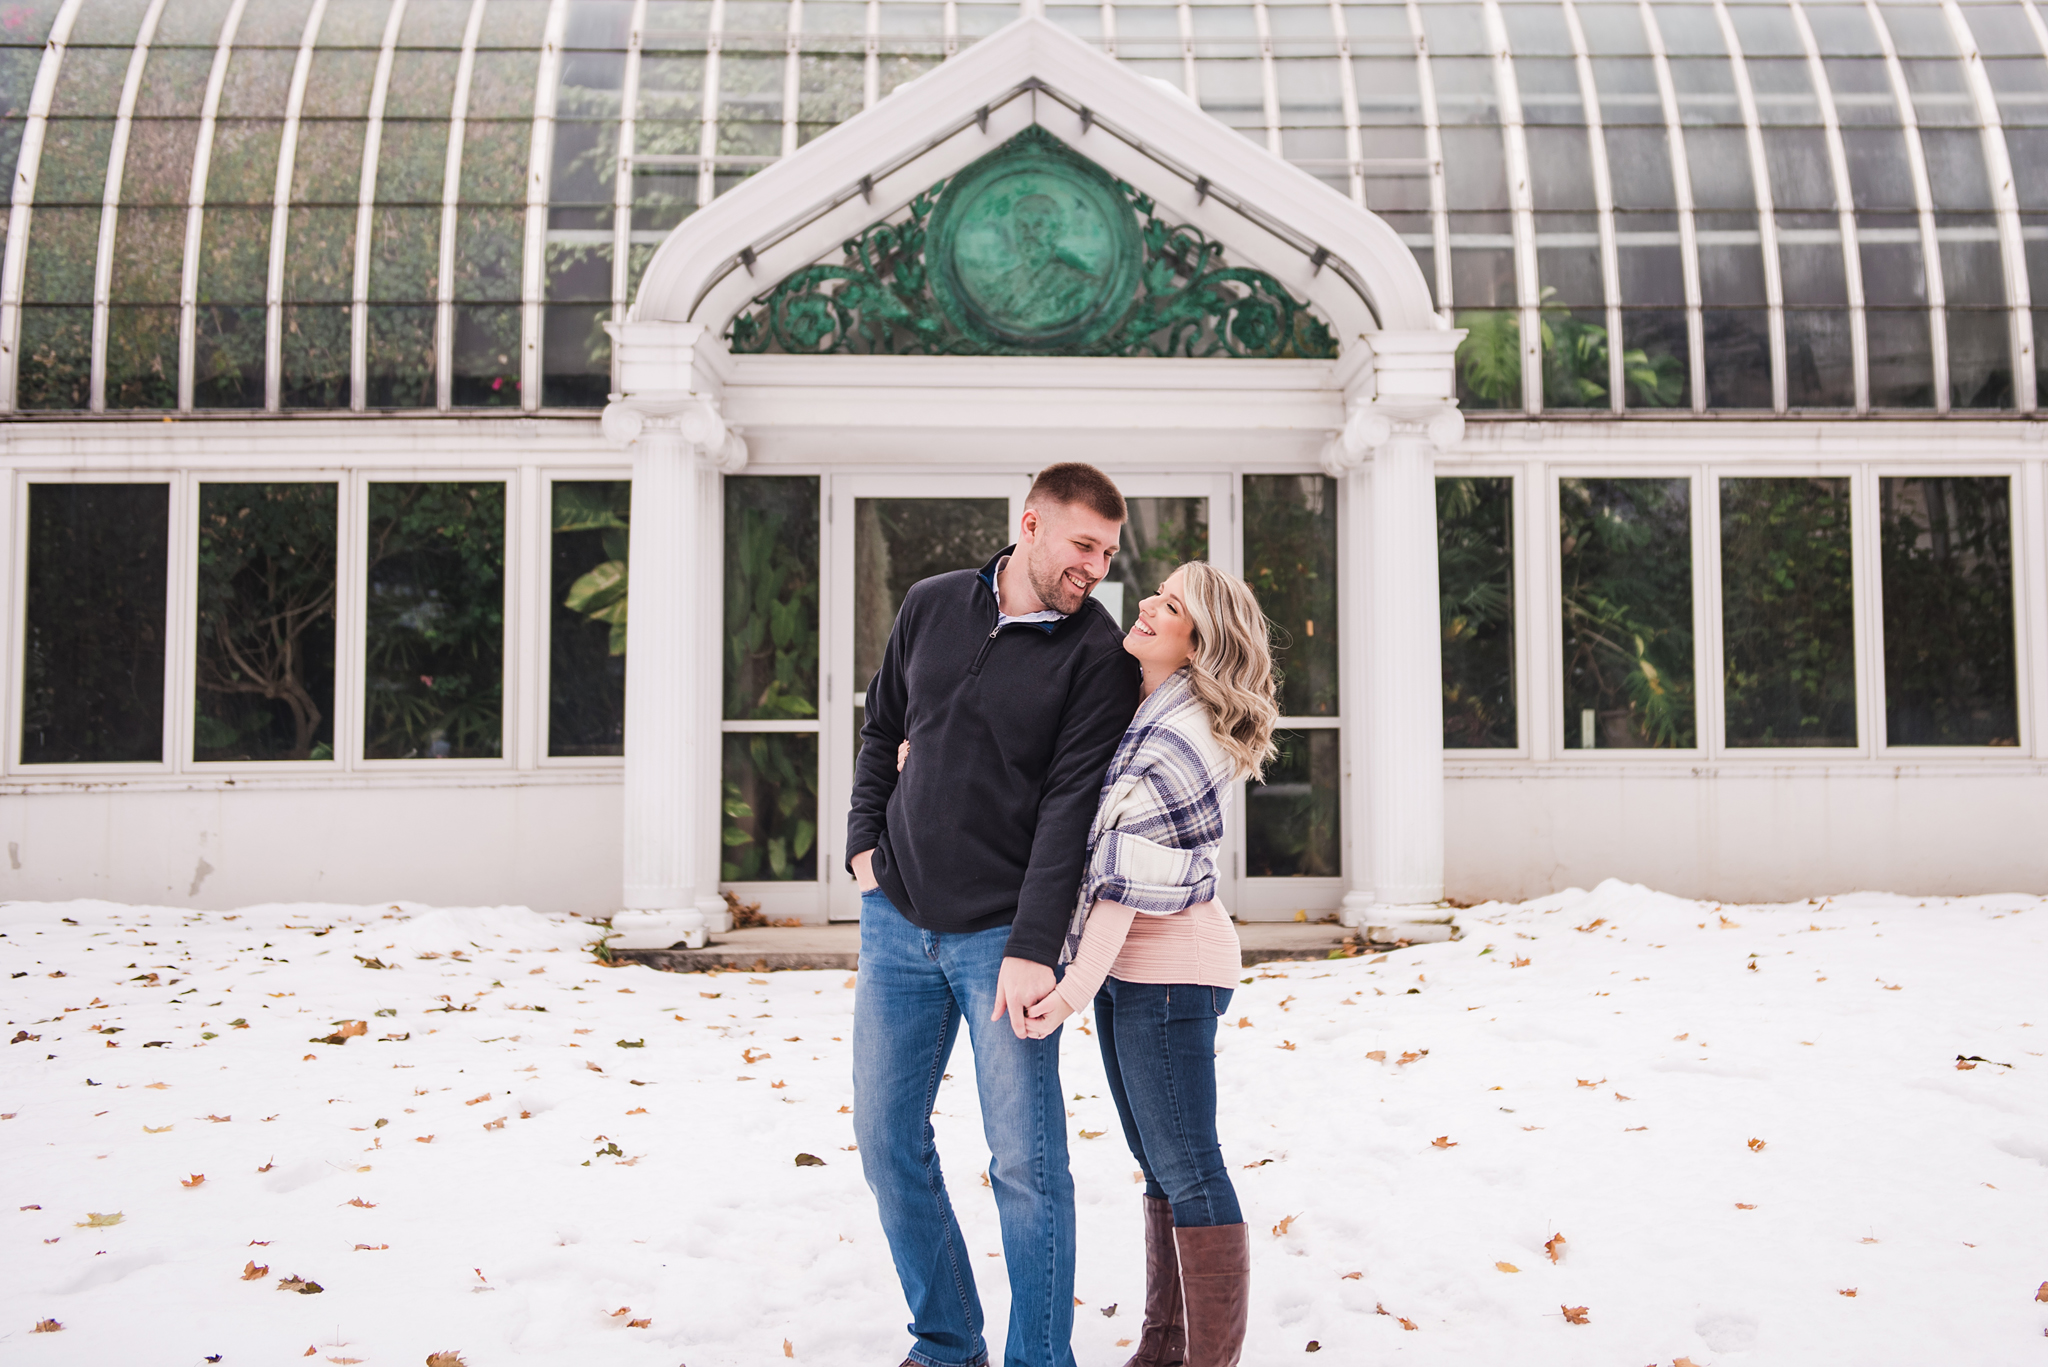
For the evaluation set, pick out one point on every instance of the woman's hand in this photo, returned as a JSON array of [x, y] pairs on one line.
[[1041, 1020], [902, 753]]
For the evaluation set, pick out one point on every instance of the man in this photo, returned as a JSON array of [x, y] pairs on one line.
[[1014, 689]]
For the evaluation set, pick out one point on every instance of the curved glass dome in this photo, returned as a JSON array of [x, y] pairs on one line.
[[433, 204]]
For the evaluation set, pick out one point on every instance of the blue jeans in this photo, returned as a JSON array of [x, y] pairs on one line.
[[1159, 1049], [915, 988]]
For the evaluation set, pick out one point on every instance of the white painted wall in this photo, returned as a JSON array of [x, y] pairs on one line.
[[552, 846], [1747, 833]]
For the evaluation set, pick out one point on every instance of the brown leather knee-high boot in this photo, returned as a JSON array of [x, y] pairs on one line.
[[1164, 1340], [1215, 1279]]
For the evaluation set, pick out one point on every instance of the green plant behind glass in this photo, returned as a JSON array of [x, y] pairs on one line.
[[1626, 552], [1950, 667], [1476, 588], [435, 683], [1575, 370], [601, 506], [1787, 612], [770, 806], [265, 657], [1290, 557]]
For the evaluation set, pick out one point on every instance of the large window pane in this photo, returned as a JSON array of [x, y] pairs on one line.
[[771, 597], [1949, 665], [1476, 581], [1160, 535], [434, 682], [587, 642], [265, 644], [1626, 555], [770, 830], [93, 666], [1290, 560], [898, 541], [1291, 820], [1787, 612]]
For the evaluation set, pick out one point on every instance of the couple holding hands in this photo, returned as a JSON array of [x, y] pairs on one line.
[[1036, 813]]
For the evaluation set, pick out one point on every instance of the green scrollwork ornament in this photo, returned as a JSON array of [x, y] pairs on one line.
[[1033, 250]]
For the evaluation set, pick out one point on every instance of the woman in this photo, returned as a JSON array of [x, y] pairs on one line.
[[1159, 956]]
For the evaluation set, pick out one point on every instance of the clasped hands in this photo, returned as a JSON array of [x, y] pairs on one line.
[[1025, 991]]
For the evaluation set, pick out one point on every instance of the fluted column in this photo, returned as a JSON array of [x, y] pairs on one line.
[[670, 821], [1393, 669]]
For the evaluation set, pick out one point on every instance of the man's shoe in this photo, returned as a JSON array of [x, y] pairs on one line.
[[1215, 1278], [1164, 1341]]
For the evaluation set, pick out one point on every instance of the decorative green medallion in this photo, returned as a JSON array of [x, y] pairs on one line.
[[1033, 250], [1034, 246]]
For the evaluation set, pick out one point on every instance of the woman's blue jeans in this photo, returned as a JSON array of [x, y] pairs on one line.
[[915, 989], [1159, 1049]]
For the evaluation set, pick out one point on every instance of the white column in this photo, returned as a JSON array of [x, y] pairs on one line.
[[671, 798], [1393, 689]]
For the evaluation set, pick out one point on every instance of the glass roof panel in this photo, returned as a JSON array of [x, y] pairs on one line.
[[1272, 72]]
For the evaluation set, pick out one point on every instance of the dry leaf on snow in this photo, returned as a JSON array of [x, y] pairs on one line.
[[497, 1124], [46, 1327], [1377, 1055], [638, 1324], [2042, 1294], [1744, 1205], [1584, 1083], [447, 1357], [1443, 1141], [809, 1160], [1554, 1246], [1574, 1314], [1093, 1134], [476, 1099], [1405, 1322], [158, 1129], [1351, 1277], [253, 1271], [95, 1220], [1286, 1044], [1756, 1146], [299, 1284], [1849, 1291], [1506, 1267], [1286, 1222], [360, 1202], [194, 1180], [788, 1349], [1518, 963]]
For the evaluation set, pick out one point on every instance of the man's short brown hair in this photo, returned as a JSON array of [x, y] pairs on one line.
[[1077, 485]]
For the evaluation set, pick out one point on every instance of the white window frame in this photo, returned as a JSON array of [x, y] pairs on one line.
[[538, 604], [1523, 602], [177, 550], [1713, 646], [1871, 562], [517, 634], [1706, 686], [186, 575]]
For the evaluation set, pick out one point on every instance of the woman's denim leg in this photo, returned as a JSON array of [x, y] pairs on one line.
[[1159, 1050], [905, 1019]]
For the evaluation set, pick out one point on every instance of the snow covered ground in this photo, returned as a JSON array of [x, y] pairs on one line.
[[1745, 1132]]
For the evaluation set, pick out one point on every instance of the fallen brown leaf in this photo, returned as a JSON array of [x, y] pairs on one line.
[[1574, 1314], [254, 1271], [46, 1326], [1377, 1055], [638, 1324], [267, 1166], [360, 1203], [1405, 1322], [476, 1099], [423, 1139], [2042, 1294], [1506, 1267], [1093, 1134], [299, 1284], [220, 1119], [1351, 1277], [1847, 1291], [638, 1110], [1584, 1083], [1591, 926], [1554, 1246], [497, 1124], [1443, 1141], [1285, 1224], [1518, 963], [1287, 1044], [194, 1180], [1410, 1056], [788, 1350], [447, 1357], [95, 1220], [371, 1248], [809, 1160], [158, 1129], [752, 1058], [1744, 1205], [1756, 1146]]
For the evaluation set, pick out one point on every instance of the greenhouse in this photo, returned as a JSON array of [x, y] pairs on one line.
[[1628, 414]]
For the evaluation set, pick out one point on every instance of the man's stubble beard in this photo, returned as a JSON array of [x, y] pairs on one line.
[[1052, 589]]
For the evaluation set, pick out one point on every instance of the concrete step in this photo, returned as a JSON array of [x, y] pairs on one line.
[[765, 949]]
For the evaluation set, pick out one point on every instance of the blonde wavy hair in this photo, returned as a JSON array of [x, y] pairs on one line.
[[1231, 664]]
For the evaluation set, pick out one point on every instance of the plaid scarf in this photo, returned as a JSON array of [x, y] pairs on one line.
[[1159, 822]]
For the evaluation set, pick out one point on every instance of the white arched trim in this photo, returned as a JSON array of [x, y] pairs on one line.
[[1267, 214]]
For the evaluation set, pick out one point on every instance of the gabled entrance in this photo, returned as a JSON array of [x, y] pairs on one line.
[[1032, 254]]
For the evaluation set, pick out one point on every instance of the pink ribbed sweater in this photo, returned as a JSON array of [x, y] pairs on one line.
[[1198, 945]]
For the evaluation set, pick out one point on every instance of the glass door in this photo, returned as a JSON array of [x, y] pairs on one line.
[[888, 532]]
